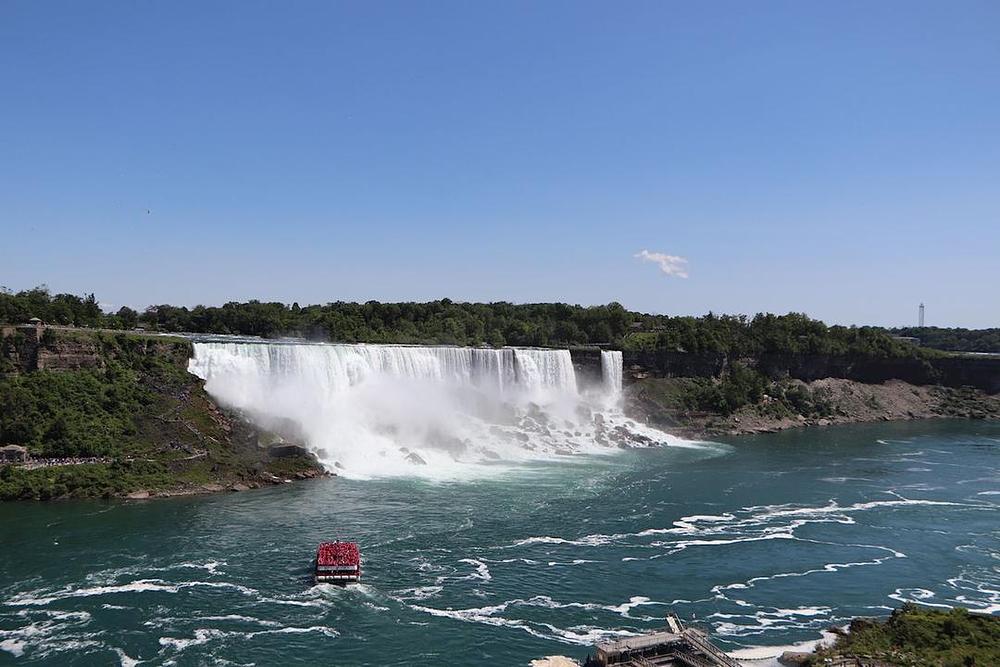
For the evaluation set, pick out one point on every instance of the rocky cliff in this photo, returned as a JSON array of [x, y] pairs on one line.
[[950, 371], [692, 394], [126, 400]]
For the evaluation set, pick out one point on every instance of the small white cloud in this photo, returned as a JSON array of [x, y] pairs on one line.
[[671, 265]]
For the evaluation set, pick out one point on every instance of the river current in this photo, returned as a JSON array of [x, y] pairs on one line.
[[764, 541]]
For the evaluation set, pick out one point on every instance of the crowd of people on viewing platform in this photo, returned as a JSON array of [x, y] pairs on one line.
[[19, 456]]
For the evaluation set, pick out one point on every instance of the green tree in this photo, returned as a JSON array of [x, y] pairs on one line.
[[128, 317]]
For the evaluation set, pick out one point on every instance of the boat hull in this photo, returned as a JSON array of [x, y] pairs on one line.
[[342, 579]]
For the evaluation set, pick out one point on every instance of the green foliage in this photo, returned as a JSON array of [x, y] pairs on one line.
[[443, 321], [499, 323], [536, 324], [791, 334], [127, 317], [137, 406], [739, 387], [59, 309], [799, 399], [917, 636], [957, 340], [90, 412], [85, 413], [94, 481]]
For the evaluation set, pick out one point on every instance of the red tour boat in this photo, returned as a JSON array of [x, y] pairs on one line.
[[338, 563]]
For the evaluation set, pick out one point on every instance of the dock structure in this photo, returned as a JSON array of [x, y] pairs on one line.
[[675, 646]]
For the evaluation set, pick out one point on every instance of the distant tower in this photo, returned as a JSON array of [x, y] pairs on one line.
[[921, 317]]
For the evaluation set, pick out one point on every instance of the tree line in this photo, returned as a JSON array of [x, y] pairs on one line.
[[456, 323], [957, 340], [739, 336]]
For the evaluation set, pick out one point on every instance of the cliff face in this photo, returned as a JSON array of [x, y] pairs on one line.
[[56, 349], [587, 365], [689, 393], [72, 396], [953, 371], [666, 403]]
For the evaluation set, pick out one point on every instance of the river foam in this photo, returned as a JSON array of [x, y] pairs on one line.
[[754, 546], [438, 412]]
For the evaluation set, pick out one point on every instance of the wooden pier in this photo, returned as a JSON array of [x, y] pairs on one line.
[[674, 646]]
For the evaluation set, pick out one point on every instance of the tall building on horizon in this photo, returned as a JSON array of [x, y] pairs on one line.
[[920, 317]]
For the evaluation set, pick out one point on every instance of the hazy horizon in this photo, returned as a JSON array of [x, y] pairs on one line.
[[838, 160]]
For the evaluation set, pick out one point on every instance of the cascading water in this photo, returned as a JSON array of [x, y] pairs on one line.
[[371, 410], [611, 372]]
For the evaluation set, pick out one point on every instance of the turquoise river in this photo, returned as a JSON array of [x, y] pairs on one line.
[[763, 540]]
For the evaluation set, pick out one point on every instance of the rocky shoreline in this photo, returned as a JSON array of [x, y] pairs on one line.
[[263, 480], [660, 402]]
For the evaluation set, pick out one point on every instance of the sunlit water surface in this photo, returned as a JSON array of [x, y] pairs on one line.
[[765, 541]]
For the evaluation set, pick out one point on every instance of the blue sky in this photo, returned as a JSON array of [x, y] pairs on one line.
[[841, 159]]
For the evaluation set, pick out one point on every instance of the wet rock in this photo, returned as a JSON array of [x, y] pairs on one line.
[[490, 454], [793, 658], [642, 440], [239, 486], [138, 495], [441, 440], [286, 450], [415, 458]]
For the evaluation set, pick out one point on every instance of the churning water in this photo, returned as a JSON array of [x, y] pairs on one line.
[[494, 526], [435, 412]]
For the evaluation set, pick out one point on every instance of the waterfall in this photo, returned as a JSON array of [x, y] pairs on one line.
[[611, 372], [545, 368], [371, 410]]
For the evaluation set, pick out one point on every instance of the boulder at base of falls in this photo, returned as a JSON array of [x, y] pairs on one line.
[[415, 458], [286, 450]]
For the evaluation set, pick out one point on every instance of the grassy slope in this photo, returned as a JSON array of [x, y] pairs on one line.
[[137, 405], [916, 636]]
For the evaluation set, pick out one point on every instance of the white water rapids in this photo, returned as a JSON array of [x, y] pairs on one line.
[[375, 410]]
